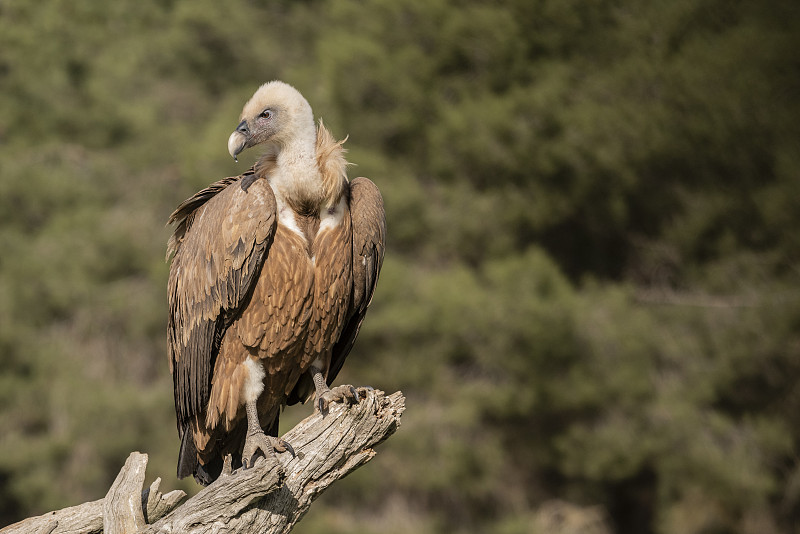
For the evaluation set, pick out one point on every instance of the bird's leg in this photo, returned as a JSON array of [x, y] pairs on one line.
[[256, 440], [326, 395]]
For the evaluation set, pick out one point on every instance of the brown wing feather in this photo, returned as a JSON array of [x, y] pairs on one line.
[[183, 215], [369, 242], [272, 327], [222, 236]]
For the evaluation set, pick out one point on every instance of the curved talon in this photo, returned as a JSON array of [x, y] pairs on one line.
[[289, 448]]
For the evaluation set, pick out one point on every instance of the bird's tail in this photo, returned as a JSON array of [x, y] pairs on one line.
[[187, 457], [207, 473], [189, 465]]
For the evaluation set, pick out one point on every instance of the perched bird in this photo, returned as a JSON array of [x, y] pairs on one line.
[[272, 273]]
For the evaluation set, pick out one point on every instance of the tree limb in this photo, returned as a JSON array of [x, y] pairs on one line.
[[88, 518], [122, 507], [268, 498]]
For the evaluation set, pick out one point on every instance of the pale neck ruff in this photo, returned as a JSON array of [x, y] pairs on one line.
[[296, 174], [298, 154]]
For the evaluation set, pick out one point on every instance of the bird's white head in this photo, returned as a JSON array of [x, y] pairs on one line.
[[276, 114]]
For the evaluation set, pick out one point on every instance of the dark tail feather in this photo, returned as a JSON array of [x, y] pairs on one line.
[[187, 457], [208, 473], [188, 464]]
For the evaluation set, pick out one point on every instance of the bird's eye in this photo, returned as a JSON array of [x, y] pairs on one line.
[[266, 114]]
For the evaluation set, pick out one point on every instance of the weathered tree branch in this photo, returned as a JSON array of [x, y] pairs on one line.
[[267, 498], [88, 518]]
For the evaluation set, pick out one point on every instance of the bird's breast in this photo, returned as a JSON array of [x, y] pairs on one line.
[[288, 218], [311, 227], [332, 217]]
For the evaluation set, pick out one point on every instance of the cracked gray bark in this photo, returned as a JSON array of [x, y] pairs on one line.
[[267, 498]]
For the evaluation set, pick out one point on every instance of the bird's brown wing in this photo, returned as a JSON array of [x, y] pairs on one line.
[[222, 236], [369, 242]]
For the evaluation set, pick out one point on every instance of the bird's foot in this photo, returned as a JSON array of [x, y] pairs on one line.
[[345, 393], [267, 445]]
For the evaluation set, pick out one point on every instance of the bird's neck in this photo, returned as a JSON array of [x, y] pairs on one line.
[[299, 157], [295, 177]]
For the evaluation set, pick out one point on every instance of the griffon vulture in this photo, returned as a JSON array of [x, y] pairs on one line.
[[272, 273]]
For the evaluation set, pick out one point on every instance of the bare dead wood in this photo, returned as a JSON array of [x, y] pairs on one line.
[[268, 498], [122, 507], [328, 448], [88, 518]]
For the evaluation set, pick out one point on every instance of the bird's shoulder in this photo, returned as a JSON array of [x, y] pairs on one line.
[[225, 210]]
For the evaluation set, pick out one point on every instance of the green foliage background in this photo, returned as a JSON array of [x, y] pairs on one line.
[[591, 289]]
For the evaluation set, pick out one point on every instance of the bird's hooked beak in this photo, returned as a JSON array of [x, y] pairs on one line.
[[239, 139]]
